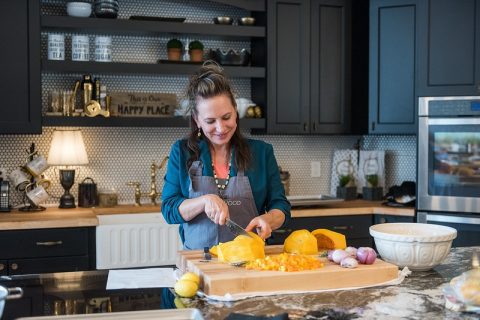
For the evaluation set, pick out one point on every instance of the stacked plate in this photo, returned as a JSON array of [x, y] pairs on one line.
[[106, 8]]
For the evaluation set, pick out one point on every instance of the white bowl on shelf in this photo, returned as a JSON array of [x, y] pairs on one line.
[[79, 9], [418, 246]]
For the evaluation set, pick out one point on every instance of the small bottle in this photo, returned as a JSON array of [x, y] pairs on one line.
[[186, 54], [87, 87], [103, 95], [96, 89]]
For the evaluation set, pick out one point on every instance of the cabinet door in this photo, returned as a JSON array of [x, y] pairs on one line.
[[288, 63], [20, 110], [392, 99], [330, 43], [449, 48]]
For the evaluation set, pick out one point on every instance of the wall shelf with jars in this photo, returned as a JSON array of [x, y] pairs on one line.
[[138, 47]]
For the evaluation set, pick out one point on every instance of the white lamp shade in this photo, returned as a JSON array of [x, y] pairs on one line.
[[67, 149]]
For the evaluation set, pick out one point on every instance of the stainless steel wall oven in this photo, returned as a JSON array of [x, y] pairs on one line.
[[448, 182]]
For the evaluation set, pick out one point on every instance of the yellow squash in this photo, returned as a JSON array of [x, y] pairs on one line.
[[327, 239], [242, 248], [301, 242]]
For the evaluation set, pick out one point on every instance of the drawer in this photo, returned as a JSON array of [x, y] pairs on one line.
[[383, 218], [44, 243], [48, 265], [353, 227]]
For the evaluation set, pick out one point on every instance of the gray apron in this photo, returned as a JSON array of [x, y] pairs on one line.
[[201, 232]]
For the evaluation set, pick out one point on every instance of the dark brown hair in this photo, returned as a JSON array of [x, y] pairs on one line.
[[208, 82]]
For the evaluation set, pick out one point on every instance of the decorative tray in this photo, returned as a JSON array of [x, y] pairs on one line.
[[312, 200]]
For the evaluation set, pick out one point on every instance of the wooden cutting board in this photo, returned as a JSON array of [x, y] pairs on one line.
[[218, 278]]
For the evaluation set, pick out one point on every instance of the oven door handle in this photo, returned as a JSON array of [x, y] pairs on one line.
[[454, 121], [452, 219]]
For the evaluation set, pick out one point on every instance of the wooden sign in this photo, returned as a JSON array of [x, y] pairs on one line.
[[139, 104]]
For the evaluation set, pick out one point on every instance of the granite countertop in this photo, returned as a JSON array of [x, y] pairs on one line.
[[87, 217], [419, 296]]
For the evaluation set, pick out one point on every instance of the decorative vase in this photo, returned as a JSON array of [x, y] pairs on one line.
[[196, 55], [347, 193], [174, 54], [372, 193]]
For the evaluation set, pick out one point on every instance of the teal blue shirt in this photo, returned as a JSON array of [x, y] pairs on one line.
[[263, 175]]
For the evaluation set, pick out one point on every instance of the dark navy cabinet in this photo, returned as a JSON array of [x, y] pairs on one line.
[[309, 66], [20, 109], [393, 45], [449, 48]]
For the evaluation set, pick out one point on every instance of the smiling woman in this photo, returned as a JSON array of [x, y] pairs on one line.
[[217, 174]]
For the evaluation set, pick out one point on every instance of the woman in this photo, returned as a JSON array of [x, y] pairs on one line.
[[217, 174]]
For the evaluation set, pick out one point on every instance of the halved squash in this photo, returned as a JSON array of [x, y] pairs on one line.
[[328, 239], [242, 248], [301, 242]]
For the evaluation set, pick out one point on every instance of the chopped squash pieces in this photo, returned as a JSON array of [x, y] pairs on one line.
[[285, 262], [327, 239]]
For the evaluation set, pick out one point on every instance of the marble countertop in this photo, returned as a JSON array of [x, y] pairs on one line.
[[419, 296]]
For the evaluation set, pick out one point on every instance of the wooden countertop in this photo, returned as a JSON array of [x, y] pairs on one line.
[[87, 217]]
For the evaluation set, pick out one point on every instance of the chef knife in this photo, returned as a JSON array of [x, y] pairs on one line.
[[236, 229]]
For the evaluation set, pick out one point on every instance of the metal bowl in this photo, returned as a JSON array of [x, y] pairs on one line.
[[246, 21], [223, 20], [230, 57]]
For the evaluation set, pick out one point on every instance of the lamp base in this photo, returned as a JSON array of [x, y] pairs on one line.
[[67, 201]]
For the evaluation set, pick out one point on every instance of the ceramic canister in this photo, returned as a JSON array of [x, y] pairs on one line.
[[80, 48], [103, 49], [56, 46]]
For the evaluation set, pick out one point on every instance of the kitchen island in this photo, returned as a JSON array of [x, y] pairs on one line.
[[419, 296]]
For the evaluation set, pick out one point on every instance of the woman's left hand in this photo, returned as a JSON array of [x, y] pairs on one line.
[[264, 230]]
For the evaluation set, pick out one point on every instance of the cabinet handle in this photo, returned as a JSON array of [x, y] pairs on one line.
[[49, 243], [373, 126], [383, 220], [314, 126], [14, 266], [342, 227], [2, 267], [305, 126]]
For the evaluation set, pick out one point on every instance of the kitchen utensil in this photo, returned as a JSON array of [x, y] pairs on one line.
[[236, 229], [87, 193], [7, 294]]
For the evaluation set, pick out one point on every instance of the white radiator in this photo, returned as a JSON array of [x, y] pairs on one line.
[[136, 240]]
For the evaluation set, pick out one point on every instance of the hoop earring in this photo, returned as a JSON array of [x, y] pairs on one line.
[[199, 134]]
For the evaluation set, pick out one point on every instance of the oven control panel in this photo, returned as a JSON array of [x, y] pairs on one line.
[[450, 106]]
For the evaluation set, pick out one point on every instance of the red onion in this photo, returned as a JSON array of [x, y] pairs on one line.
[[352, 251], [349, 262], [338, 255], [329, 256], [366, 255]]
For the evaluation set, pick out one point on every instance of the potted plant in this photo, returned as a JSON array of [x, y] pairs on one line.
[[372, 191], [346, 189], [174, 49], [195, 49]]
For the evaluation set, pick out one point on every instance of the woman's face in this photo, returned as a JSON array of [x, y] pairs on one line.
[[217, 118]]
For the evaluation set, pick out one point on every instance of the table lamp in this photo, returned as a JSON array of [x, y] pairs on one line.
[[67, 149]]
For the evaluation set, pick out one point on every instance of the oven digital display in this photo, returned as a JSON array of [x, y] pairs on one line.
[[475, 105]]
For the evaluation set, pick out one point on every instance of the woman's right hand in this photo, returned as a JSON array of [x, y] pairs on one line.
[[215, 208]]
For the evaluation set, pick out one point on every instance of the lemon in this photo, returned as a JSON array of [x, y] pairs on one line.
[[192, 277], [185, 288], [178, 303]]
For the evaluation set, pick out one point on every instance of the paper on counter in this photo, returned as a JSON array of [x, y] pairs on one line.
[[141, 278]]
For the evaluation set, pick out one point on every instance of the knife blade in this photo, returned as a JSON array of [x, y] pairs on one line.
[[236, 229]]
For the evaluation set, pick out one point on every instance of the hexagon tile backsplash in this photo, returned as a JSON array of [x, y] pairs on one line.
[[119, 155]]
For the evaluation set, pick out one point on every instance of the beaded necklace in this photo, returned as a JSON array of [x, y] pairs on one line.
[[217, 182]]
